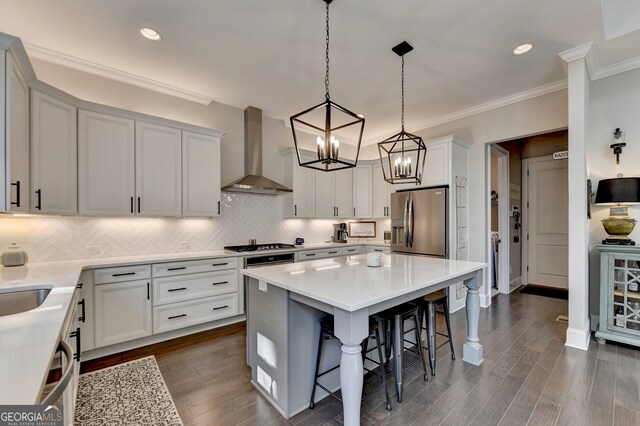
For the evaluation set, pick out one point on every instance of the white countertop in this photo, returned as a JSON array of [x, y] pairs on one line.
[[28, 340], [348, 283]]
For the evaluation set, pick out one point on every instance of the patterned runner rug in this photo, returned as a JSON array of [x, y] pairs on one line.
[[133, 393]]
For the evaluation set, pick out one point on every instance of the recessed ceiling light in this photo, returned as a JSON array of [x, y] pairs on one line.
[[150, 33], [522, 49]]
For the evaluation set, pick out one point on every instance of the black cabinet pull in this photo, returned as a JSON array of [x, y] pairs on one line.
[[220, 264], [220, 282], [123, 274], [220, 307], [177, 316], [177, 268], [295, 210], [377, 250], [17, 185], [310, 254], [132, 204], [39, 193], [81, 318], [79, 285], [76, 334], [177, 289], [218, 207], [354, 211], [138, 204], [148, 292], [333, 252]]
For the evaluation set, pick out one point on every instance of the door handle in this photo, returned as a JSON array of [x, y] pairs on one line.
[[131, 204], [410, 219], [17, 185], [404, 222], [138, 204], [39, 205], [218, 207], [82, 317]]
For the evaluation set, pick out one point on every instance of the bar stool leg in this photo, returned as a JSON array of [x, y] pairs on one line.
[[382, 370], [398, 347], [416, 319], [431, 335], [312, 403], [446, 319]]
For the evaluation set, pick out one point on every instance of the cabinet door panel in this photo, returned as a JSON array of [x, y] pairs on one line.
[[343, 192], [324, 184], [54, 155], [304, 194], [362, 191], [200, 175], [381, 195], [106, 164], [122, 312], [437, 164], [158, 170], [17, 139]]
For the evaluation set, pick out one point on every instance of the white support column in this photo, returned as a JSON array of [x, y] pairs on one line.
[[578, 60]]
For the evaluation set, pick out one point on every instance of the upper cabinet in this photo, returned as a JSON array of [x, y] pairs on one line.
[[17, 137], [301, 203], [106, 165], [381, 192], [158, 170], [362, 190], [334, 196], [200, 175], [53, 155]]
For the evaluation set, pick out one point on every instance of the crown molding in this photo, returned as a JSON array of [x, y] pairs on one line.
[[478, 109], [576, 52], [114, 74], [617, 68]]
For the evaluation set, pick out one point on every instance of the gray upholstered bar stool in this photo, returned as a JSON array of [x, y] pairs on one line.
[[327, 332], [394, 319], [428, 305]]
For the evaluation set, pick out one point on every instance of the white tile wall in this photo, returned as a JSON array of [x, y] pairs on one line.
[[244, 216]]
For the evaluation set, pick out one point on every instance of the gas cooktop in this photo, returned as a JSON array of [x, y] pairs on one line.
[[260, 247]]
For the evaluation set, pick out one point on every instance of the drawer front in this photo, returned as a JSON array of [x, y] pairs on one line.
[[185, 314], [193, 286], [194, 266], [348, 251], [319, 254], [385, 250], [121, 274]]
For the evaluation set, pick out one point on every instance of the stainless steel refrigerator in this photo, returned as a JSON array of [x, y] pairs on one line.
[[419, 222]]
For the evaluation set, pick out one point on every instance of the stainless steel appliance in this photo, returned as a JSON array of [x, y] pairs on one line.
[[419, 222], [259, 247], [340, 233]]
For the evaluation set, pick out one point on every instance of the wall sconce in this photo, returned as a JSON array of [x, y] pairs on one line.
[[618, 143]]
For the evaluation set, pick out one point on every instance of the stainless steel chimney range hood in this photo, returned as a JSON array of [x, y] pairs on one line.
[[253, 182]]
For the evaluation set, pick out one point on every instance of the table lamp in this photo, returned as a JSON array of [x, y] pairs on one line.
[[616, 192]]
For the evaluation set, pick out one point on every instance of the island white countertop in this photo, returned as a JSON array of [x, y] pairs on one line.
[[28, 340], [349, 284]]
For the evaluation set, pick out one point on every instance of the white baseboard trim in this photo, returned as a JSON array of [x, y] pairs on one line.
[[485, 301], [579, 339], [517, 281]]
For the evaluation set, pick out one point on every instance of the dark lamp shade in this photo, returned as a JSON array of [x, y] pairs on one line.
[[618, 191]]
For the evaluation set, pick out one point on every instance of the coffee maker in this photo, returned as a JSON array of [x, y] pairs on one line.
[[340, 233]]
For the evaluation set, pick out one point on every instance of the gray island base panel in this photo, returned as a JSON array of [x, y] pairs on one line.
[[285, 303]]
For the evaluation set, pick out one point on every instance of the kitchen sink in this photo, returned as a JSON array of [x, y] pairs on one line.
[[19, 300]]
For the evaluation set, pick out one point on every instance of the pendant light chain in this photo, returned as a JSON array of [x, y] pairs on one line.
[[326, 75], [402, 119]]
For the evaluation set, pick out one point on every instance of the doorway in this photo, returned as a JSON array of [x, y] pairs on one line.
[[499, 193]]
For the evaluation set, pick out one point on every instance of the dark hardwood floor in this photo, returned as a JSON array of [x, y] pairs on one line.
[[528, 377]]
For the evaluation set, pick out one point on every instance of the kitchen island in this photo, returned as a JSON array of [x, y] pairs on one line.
[[285, 303]]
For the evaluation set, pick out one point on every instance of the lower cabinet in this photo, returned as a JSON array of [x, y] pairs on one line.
[[183, 314], [122, 311]]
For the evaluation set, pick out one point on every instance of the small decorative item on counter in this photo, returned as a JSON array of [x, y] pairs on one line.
[[14, 258], [299, 241], [619, 320], [374, 259]]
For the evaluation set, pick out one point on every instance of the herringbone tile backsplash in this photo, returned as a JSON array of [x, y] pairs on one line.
[[244, 216]]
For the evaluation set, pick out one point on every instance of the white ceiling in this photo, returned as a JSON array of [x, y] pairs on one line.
[[270, 54]]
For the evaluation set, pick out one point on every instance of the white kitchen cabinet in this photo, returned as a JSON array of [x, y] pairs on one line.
[[378, 249], [301, 203], [353, 250], [53, 155], [334, 194], [158, 170], [381, 192], [319, 253], [362, 190], [122, 312], [106, 164], [17, 138], [85, 311], [200, 175]]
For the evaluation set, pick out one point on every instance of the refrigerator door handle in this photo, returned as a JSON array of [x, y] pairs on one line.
[[404, 222], [410, 220]]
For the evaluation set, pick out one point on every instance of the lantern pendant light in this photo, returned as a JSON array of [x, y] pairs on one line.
[[403, 154], [315, 128]]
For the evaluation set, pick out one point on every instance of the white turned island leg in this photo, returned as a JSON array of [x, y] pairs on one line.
[[472, 349], [351, 328]]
